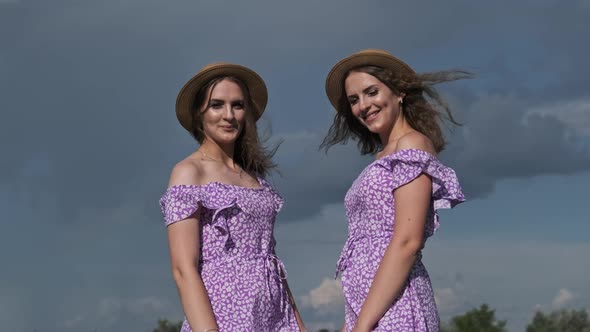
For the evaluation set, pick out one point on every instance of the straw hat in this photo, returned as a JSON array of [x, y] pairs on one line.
[[186, 96], [368, 57]]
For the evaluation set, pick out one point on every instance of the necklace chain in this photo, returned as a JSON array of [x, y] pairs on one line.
[[217, 160]]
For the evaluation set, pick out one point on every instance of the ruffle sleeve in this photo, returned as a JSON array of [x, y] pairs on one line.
[[180, 202], [405, 165]]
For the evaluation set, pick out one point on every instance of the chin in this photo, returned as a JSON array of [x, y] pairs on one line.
[[229, 140], [225, 139], [375, 128]]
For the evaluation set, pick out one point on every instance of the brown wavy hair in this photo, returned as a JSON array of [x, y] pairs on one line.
[[423, 108], [249, 152]]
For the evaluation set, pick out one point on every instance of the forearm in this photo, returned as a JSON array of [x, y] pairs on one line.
[[387, 285], [295, 310], [299, 320], [195, 301]]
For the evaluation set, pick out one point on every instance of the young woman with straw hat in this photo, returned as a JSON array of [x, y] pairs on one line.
[[391, 207], [220, 212]]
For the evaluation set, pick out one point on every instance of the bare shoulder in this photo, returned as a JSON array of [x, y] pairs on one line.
[[187, 171], [416, 140]]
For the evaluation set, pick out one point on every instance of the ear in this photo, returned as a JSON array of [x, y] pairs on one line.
[[400, 98]]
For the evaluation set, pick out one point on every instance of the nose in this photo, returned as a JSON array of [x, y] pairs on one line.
[[364, 104], [228, 113]]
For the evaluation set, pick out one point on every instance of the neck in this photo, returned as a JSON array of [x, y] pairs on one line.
[[224, 153], [399, 129]]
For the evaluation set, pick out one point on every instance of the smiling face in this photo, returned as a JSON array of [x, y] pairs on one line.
[[223, 114], [372, 103]]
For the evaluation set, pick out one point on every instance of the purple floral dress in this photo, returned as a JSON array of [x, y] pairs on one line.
[[238, 265], [370, 213]]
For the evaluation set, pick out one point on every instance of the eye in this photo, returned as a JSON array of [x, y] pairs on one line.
[[216, 104], [373, 92], [352, 100], [238, 105]]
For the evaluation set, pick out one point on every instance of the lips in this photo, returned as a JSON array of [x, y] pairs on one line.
[[228, 128], [369, 117]]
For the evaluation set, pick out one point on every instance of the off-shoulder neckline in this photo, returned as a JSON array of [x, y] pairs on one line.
[[405, 150], [261, 185]]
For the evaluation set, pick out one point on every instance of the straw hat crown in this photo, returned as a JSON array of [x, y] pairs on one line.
[[368, 57], [186, 97]]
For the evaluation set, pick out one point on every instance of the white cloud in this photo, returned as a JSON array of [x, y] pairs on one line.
[[113, 312], [465, 272], [74, 322], [478, 152], [446, 300], [111, 306], [109, 310], [326, 298], [575, 114], [310, 249], [505, 274], [321, 237], [562, 298], [63, 39]]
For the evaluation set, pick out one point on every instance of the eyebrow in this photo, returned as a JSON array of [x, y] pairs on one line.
[[222, 101], [365, 90], [369, 88], [241, 102]]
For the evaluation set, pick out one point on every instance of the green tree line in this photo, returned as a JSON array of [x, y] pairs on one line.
[[482, 319]]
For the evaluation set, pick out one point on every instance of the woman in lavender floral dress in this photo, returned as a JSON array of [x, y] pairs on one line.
[[391, 206], [220, 212]]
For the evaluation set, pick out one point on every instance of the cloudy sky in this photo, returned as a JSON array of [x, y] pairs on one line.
[[88, 137]]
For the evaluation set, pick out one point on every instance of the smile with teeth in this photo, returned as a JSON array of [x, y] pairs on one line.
[[370, 116]]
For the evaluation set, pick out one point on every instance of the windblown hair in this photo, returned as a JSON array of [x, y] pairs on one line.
[[249, 151], [423, 108]]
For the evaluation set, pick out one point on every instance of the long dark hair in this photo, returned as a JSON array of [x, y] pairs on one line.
[[423, 108], [249, 151]]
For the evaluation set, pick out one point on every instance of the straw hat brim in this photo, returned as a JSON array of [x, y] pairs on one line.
[[370, 57], [186, 97]]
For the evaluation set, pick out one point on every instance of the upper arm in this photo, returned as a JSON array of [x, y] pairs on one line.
[[183, 235], [412, 200], [183, 242]]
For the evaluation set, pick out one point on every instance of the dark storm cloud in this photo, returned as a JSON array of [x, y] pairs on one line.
[[89, 90], [88, 135]]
